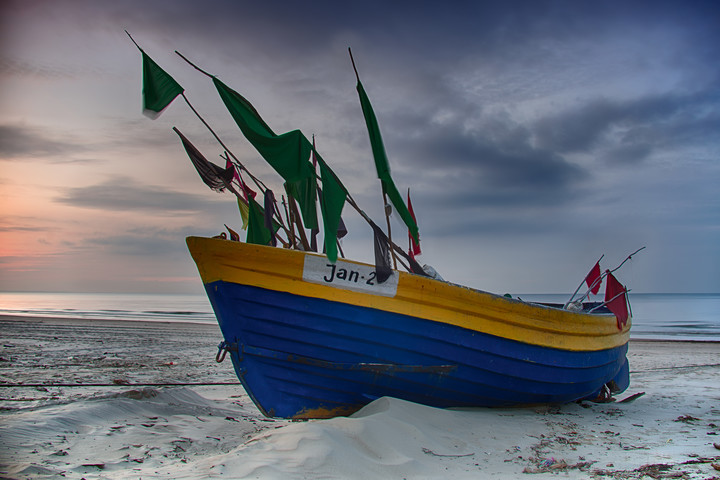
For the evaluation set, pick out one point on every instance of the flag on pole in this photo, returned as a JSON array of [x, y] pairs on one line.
[[381, 162], [616, 299], [247, 191], [257, 232], [229, 166], [594, 279], [288, 153], [331, 205], [269, 212], [414, 246], [383, 270], [159, 88], [215, 177], [244, 209]]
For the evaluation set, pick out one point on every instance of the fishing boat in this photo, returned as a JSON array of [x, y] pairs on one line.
[[314, 335], [313, 339]]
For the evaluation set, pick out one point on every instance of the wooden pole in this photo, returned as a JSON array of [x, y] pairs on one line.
[[349, 197], [388, 209], [301, 229], [606, 272]]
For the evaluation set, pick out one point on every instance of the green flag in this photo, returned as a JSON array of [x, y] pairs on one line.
[[381, 162], [287, 153], [331, 204], [376, 142], [159, 88], [305, 192], [257, 232]]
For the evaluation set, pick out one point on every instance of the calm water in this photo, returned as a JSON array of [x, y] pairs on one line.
[[147, 307], [657, 316], [666, 316]]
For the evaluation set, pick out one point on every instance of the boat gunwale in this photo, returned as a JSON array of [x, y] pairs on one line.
[[281, 269]]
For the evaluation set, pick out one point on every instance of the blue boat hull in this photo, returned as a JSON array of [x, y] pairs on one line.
[[304, 357]]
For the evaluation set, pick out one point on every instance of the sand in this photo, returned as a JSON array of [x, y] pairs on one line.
[[126, 422]]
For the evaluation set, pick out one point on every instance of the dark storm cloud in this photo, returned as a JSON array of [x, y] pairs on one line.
[[287, 32], [492, 163], [123, 193], [655, 120]]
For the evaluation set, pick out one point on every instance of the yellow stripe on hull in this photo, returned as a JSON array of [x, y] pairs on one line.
[[282, 270]]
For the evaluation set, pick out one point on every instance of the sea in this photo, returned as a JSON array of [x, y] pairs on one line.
[[655, 316]]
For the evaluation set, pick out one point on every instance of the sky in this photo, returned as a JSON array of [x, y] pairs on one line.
[[535, 136]]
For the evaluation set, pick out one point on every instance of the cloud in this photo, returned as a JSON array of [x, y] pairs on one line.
[[18, 67], [123, 193], [633, 127], [15, 228], [22, 140], [150, 242], [490, 161]]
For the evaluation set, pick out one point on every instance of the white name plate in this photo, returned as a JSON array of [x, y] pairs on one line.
[[348, 276]]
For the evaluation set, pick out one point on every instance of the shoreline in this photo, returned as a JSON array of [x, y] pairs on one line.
[[107, 321], [214, 326]]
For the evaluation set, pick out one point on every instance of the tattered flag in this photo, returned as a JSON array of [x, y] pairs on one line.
[[215, 177], [383, 270], [269, 212]]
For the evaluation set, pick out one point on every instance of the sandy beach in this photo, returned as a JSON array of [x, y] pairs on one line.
[[115, 399]]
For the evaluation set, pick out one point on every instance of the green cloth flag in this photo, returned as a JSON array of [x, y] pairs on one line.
[[159, 88], [381, 163], [305, 192], [287, 153], [331, 204], [376, 142], [257, 232]]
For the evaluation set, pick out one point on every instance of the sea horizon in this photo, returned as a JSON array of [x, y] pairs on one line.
[[659, 316]]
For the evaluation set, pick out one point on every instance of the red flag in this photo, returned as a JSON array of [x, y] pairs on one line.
[[414, 246], [247, 191], [229, 164], [616, 299], [593, 279]]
